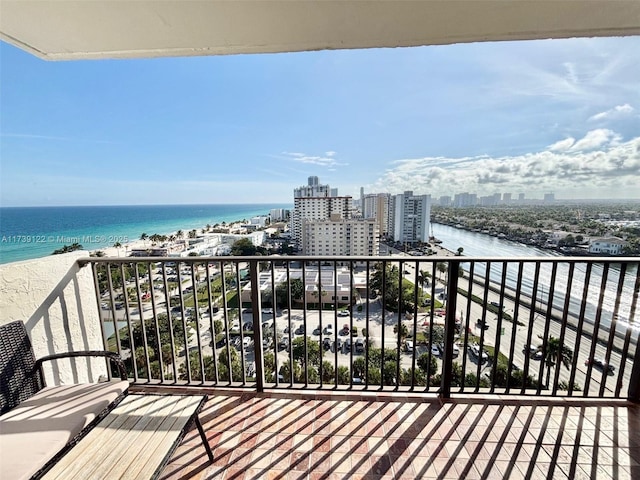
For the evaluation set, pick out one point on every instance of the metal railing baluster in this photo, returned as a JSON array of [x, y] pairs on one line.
[[604, 304]]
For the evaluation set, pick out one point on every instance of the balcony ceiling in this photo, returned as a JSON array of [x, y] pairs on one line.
[[68, 30]]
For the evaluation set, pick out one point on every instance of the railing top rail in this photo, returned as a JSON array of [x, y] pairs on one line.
[[396, 258]]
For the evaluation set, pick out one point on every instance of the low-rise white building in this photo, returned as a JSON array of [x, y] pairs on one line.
[[260, 221], [212, 244], [607, 245], [335, 287]]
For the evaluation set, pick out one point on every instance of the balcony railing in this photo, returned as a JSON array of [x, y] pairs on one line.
[[446, 325]]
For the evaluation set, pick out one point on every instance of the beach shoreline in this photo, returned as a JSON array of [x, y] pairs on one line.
[[140, 244]]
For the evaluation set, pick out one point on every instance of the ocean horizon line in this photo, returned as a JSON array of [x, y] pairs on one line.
[[34, 232], [147, 205]]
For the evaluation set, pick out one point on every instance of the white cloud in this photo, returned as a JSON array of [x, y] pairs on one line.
[[616, 112], [597, 162], [328, 160], [592, 139], [562, 145], [595, 139]]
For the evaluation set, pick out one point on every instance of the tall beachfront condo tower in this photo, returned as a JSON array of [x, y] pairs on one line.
[[411, 218], [317, 208], [278, 214], [316, 202], [376, 206], [313, 189]]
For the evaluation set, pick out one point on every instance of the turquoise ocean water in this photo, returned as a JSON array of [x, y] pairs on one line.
[[33, 232]]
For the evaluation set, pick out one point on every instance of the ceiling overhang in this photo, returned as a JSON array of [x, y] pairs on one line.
[[69, 30]]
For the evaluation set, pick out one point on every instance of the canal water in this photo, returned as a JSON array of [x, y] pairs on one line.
[[481, 245]]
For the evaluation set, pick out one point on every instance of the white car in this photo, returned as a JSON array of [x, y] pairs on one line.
[[475, 351]]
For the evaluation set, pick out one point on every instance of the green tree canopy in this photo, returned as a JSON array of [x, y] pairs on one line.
[[243, 247]]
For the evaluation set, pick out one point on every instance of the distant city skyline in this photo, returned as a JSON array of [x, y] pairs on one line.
[[534, 117]]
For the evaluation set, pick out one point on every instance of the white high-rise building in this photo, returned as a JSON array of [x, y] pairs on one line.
[[313, 189], [323, 223], [278, 214], [317, 208], [337, 236], [376, 205], [411, 217]]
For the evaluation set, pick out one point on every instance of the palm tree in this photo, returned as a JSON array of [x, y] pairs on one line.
[[555, 353], [423, 278], [442, 268], [404, 331]]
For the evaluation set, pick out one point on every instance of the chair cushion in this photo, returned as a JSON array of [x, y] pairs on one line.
[[34, 431]]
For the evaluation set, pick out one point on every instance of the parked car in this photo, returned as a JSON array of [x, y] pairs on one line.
[[474, 350], [283, 344], [456, 350]]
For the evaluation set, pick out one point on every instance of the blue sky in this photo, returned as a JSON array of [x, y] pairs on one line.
[[556, 116]]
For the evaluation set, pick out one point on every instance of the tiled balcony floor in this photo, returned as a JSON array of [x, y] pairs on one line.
[[287, 435]]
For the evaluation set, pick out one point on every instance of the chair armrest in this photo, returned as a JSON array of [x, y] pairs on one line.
[[114, 357]]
